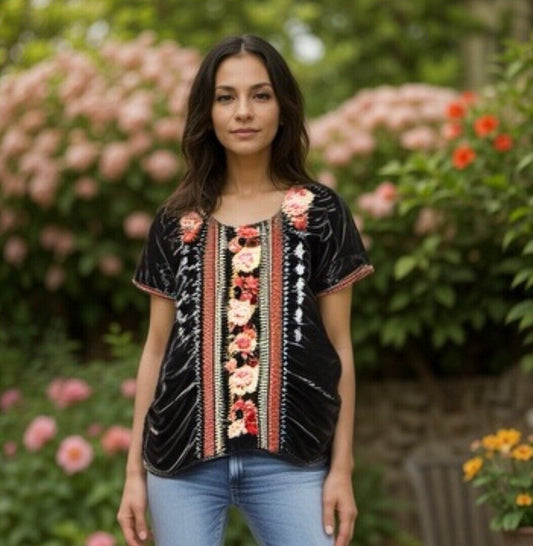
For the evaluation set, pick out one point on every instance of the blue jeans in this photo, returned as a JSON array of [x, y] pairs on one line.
[[281, 502]]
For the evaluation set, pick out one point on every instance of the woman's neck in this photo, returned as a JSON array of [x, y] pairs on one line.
[[247, 176]]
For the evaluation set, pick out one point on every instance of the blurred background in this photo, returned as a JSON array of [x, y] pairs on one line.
[[420, 115]]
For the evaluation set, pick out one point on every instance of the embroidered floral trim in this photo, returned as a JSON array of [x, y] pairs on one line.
[[296, 205], [191, 224], [243, 362]]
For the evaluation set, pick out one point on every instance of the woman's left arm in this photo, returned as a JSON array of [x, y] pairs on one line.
[[335, 310]]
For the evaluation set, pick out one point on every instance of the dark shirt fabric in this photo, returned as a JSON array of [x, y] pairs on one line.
[[248, 364]]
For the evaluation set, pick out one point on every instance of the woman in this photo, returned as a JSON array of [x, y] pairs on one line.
[[246, 382]]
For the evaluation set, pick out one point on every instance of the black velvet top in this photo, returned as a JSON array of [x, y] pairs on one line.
[[248, 364]]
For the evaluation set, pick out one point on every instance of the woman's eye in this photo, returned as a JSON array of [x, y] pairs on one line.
[[223, 98], [263, 96]]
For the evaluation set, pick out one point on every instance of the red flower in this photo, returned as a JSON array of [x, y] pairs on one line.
[[468, 97], [485, 125], [247, 232], [503, 143], [456, 110], [462, 156]]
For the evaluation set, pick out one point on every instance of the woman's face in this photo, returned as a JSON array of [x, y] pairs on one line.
[[245, 112]]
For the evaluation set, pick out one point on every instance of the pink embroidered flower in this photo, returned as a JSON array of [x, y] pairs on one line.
[[234, 246], [247, 283], [297, 201], [243, 343], [74, 454], [190, 224], [39, 431], [244, 380], [247, 232], [231, 365], [247, 259], [300, 222], [240, 312]]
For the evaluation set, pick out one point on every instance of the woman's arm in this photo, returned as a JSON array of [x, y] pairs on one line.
[[131, 514], [335, 310]]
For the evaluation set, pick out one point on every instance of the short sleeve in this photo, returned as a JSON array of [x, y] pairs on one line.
[[157, 265], [341, 258]]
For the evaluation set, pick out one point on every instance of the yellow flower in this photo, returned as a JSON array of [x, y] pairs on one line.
[[524, 499], [509, 437], [523, 452], [472, 467], [491, 442]]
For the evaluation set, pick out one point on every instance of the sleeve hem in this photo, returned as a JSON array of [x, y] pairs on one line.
[[356, 275], [151, 290]]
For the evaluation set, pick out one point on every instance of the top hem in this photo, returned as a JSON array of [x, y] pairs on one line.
[[357, 275]]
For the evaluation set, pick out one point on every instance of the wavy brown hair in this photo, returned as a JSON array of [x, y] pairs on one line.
[[201, 186]]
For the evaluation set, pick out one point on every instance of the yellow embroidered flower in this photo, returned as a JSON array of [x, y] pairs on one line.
[[524, 499], [491, 442], [472, 467], [523, 452], [508, 437]]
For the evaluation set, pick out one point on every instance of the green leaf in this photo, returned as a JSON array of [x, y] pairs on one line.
[[399, 301], [520, 481], [445, 295], [522, 276], [528, 248], [511, 521], [404, 266], [520, 310], [524, 162], [526, 363]]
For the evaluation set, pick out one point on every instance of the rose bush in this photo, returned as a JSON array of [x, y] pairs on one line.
[[88, 150]]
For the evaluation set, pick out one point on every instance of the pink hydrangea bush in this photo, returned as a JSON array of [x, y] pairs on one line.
[[89, 146]]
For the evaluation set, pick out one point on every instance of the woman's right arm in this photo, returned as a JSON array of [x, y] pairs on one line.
[[131, 514]]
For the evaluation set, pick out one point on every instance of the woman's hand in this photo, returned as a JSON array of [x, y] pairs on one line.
[[337, 496], [131, 514]]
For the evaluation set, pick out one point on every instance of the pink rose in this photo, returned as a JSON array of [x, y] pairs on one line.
[[110, 265], [74, 454], [297, 201], [86, 188], [129, 387], [94, 429], [247, 259], [137, 224], [169, 129], [54, 278], [115, 160], [33, 120], [387, 190], [428, 221], [338, 154], [419, 138], [240, 312], [10, 448], [139, 143], [243, 343], [161, 165], [10, 398], [14, 142], [79, 157], [65, 392], [39, 431], [100, 538], [7, 220], [328, 179], [115, 439], [47, 142], [15, 250]]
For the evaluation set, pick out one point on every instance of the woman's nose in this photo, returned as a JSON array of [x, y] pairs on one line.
[[244, 110]]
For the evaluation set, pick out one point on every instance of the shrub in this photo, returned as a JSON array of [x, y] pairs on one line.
[[88, 149]]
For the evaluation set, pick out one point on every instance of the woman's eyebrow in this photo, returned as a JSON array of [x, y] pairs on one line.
[[255, 86]]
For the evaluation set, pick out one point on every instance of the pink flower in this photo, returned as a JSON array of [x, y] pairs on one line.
[[247, 232], [240, 312], [247, 259], [43, 184], [10, 398], [65, 392], [419, 138], [137, 224], [7, 220], [134, 114], [115, 160], [115, 439], [328, 179], [338, 154], [110, 265], [47, 142], [168, 129], [15, 250], [297, 201], [387, 190], [94, 429], [54, 278], [361, 143], [243, 343], [100, 538], [129, 387], [161, 165], [375, 205], [79, 157], [428, 221], [74, 454], [190, 224], [244, 380], [64, 243], [14, 142], [33, 120], [231, 365], [10, 448], [139, 143], [86, 188], [39, 431]]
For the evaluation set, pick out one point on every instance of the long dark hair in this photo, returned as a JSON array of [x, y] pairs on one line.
[[202, 183]]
